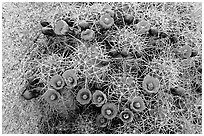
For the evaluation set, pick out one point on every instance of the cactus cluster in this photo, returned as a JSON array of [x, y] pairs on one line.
[[127, 71]]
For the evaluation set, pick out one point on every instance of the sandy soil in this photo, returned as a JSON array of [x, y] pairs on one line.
[[20, 24]]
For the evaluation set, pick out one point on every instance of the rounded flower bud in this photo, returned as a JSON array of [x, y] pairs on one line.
[[70, 21], [177, 91], [125, 7], [61, 27], [27, 95], [70, 78], [106, 21], [163, 35], [128, 19], [137, 104], [151, 84], [185, 51], [84, 96], [101, 121], [30, 94], [99, 98], [51, 96], [83, 25], [44, 23], [143, 27], [126, 116], [88, 35], [109, 110], [48, 31], [110, 12], [154, 32], [108, 9], [57, 82]]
